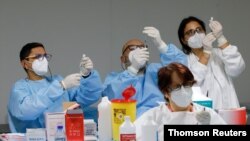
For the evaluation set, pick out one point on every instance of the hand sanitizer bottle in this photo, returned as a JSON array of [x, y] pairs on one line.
[[127, 130]]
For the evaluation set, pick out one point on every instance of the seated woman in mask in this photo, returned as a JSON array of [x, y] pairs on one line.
[[175, 82]]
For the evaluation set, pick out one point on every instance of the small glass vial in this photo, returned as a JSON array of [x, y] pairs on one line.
[[60, 135]]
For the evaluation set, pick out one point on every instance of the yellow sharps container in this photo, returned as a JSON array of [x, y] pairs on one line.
[[121, 108]]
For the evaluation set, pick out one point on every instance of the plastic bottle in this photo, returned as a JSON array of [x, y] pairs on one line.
[[127, 130], [104, 120], [149, 130], [60, 135]]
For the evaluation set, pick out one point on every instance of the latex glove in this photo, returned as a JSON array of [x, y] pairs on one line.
[[138, 59], [203, 117], [155, 35], [71, 80], [86, 65], [207, 43], [216, 28]]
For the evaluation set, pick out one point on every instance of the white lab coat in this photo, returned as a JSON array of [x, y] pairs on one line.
[[215, 78], [163, 116]]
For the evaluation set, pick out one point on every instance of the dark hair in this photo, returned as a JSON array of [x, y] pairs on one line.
[[186, 49], [165, 76], [25, 51]]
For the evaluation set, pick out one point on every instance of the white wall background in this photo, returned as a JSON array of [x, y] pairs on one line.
[[99, 28]]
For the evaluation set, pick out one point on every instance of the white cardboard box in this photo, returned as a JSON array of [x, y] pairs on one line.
[[36, 134], [52, 120]]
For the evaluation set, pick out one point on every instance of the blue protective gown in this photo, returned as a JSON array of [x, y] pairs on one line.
[[147, 92], [29, 100]]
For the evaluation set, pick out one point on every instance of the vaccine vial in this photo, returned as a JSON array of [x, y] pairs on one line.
[[60, 135]]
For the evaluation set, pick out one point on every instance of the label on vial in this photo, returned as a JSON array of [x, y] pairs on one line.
[[127, 137]]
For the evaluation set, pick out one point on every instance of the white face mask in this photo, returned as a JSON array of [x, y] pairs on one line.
[[182, 97], [195, 41], [40, 67]]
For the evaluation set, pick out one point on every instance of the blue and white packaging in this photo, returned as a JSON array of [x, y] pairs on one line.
[[200, 98]]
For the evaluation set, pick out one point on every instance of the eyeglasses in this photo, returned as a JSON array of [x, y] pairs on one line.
[[178, 87], [133, 47], [40, 57], [191, 32]]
